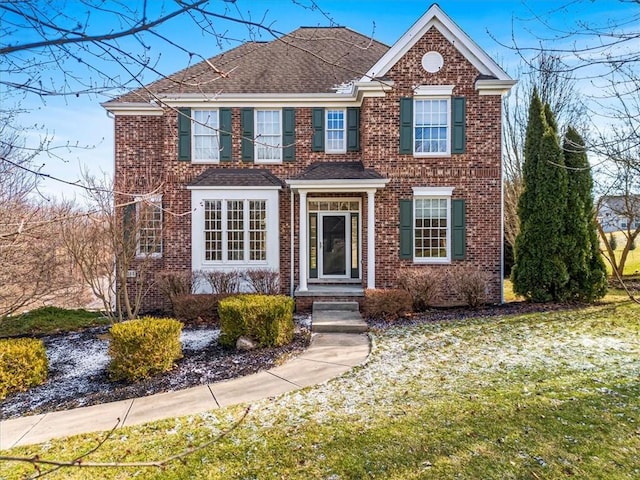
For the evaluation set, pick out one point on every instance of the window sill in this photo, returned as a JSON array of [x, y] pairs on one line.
[[432, 261]]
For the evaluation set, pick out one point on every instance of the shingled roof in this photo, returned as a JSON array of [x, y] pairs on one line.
[[236, 177], [307, 60], [338, 171]]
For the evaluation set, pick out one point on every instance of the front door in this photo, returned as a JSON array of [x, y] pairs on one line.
[[335, 245]]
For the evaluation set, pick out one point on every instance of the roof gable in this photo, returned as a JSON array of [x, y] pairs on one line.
[[434, 17]]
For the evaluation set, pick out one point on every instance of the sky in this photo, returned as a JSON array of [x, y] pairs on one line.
[[81, 121]]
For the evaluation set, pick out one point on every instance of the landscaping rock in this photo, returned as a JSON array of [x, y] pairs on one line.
[[245, 344]]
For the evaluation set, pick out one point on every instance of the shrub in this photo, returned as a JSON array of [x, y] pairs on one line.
[[264, 281], [424, 286], [268, 319], [222, 281], [197, 307], [613, 241], [174, 284], [143, 347], [23, 364], [470, 285], [389, 304]]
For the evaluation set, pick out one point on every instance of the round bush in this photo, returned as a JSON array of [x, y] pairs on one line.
[[23, 364], [143, 347]]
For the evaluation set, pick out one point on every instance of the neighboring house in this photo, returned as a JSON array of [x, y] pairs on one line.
[[619, 212], [324, 155]]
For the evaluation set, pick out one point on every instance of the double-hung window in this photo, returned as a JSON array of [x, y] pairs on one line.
[[205, 133], [149, 226], [335, 131], [432, 226], [268, 136], [431, 126], [235, 231]]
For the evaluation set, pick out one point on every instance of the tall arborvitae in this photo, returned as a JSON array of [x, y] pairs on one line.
[[540, 273], [587, 272]]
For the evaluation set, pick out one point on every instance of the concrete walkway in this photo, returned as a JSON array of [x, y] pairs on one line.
[[328, 356]]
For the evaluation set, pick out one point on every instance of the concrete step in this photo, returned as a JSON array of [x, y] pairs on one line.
[[330, 318], [345, 306]]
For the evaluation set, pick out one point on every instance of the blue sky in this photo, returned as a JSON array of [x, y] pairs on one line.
[[81, 120]]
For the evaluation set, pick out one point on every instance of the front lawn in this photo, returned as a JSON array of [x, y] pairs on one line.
[[48, 320], [545, 395]]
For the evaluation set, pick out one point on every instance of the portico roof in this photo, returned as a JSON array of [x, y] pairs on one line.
[[337, 176]]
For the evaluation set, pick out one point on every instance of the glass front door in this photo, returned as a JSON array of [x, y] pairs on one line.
[[335, 246]]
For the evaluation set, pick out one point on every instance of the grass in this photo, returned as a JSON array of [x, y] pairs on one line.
[[546, 395], [632, 264], [46, 320]]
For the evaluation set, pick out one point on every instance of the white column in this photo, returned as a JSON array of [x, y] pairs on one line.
[[302, 243], [371, 239]]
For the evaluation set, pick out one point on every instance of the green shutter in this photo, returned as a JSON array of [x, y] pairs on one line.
[[184, 134], [246, 118], [458, 230], [353, 129], [317, 121], [406, 229], [224, 133], [406, 125], [289, 134], [458, 125]]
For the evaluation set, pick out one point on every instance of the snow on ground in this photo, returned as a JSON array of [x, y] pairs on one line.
[[198, 339]]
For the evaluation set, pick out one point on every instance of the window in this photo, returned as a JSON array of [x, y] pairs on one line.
[[431, 228], [235, 231], [149, 222], [431, 126], [335, 141], [206, 146], [268, 136]]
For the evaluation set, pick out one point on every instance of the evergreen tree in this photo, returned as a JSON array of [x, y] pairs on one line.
[[586, 269], [540, 273]]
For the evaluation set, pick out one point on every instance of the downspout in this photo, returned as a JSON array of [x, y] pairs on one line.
[[292, 285], [501, 204]]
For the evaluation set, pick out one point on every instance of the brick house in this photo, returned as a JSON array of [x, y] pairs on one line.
[[323, 155]]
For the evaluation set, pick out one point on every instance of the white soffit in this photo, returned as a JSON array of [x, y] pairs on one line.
[[436, 18]]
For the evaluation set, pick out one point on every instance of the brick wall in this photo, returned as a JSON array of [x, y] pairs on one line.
[[146, 158]]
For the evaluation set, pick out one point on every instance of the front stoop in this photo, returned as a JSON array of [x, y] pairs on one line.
[[337, 317]]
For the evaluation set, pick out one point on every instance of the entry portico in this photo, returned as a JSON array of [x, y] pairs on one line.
[[329, 239]]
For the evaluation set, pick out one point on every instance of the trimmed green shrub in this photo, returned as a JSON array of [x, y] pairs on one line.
[[23, 364], [197, 307], [143, 347], [389, 304], [268, 319]]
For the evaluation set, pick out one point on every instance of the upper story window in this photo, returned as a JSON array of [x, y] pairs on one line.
[[268, 136], [432, 122], [335, 132], [431, 126], [205, 142]]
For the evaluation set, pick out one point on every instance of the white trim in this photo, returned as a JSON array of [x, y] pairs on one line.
[[303, 251], [258, 144], [347, 242], [343, 149], [447, 151], [371, 239], [133, 108], [432, 191], [337, 185], [435, 17], [431, 90], [216, 134], [494, 87], [432, 194], [156, 201], [271, 198]]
